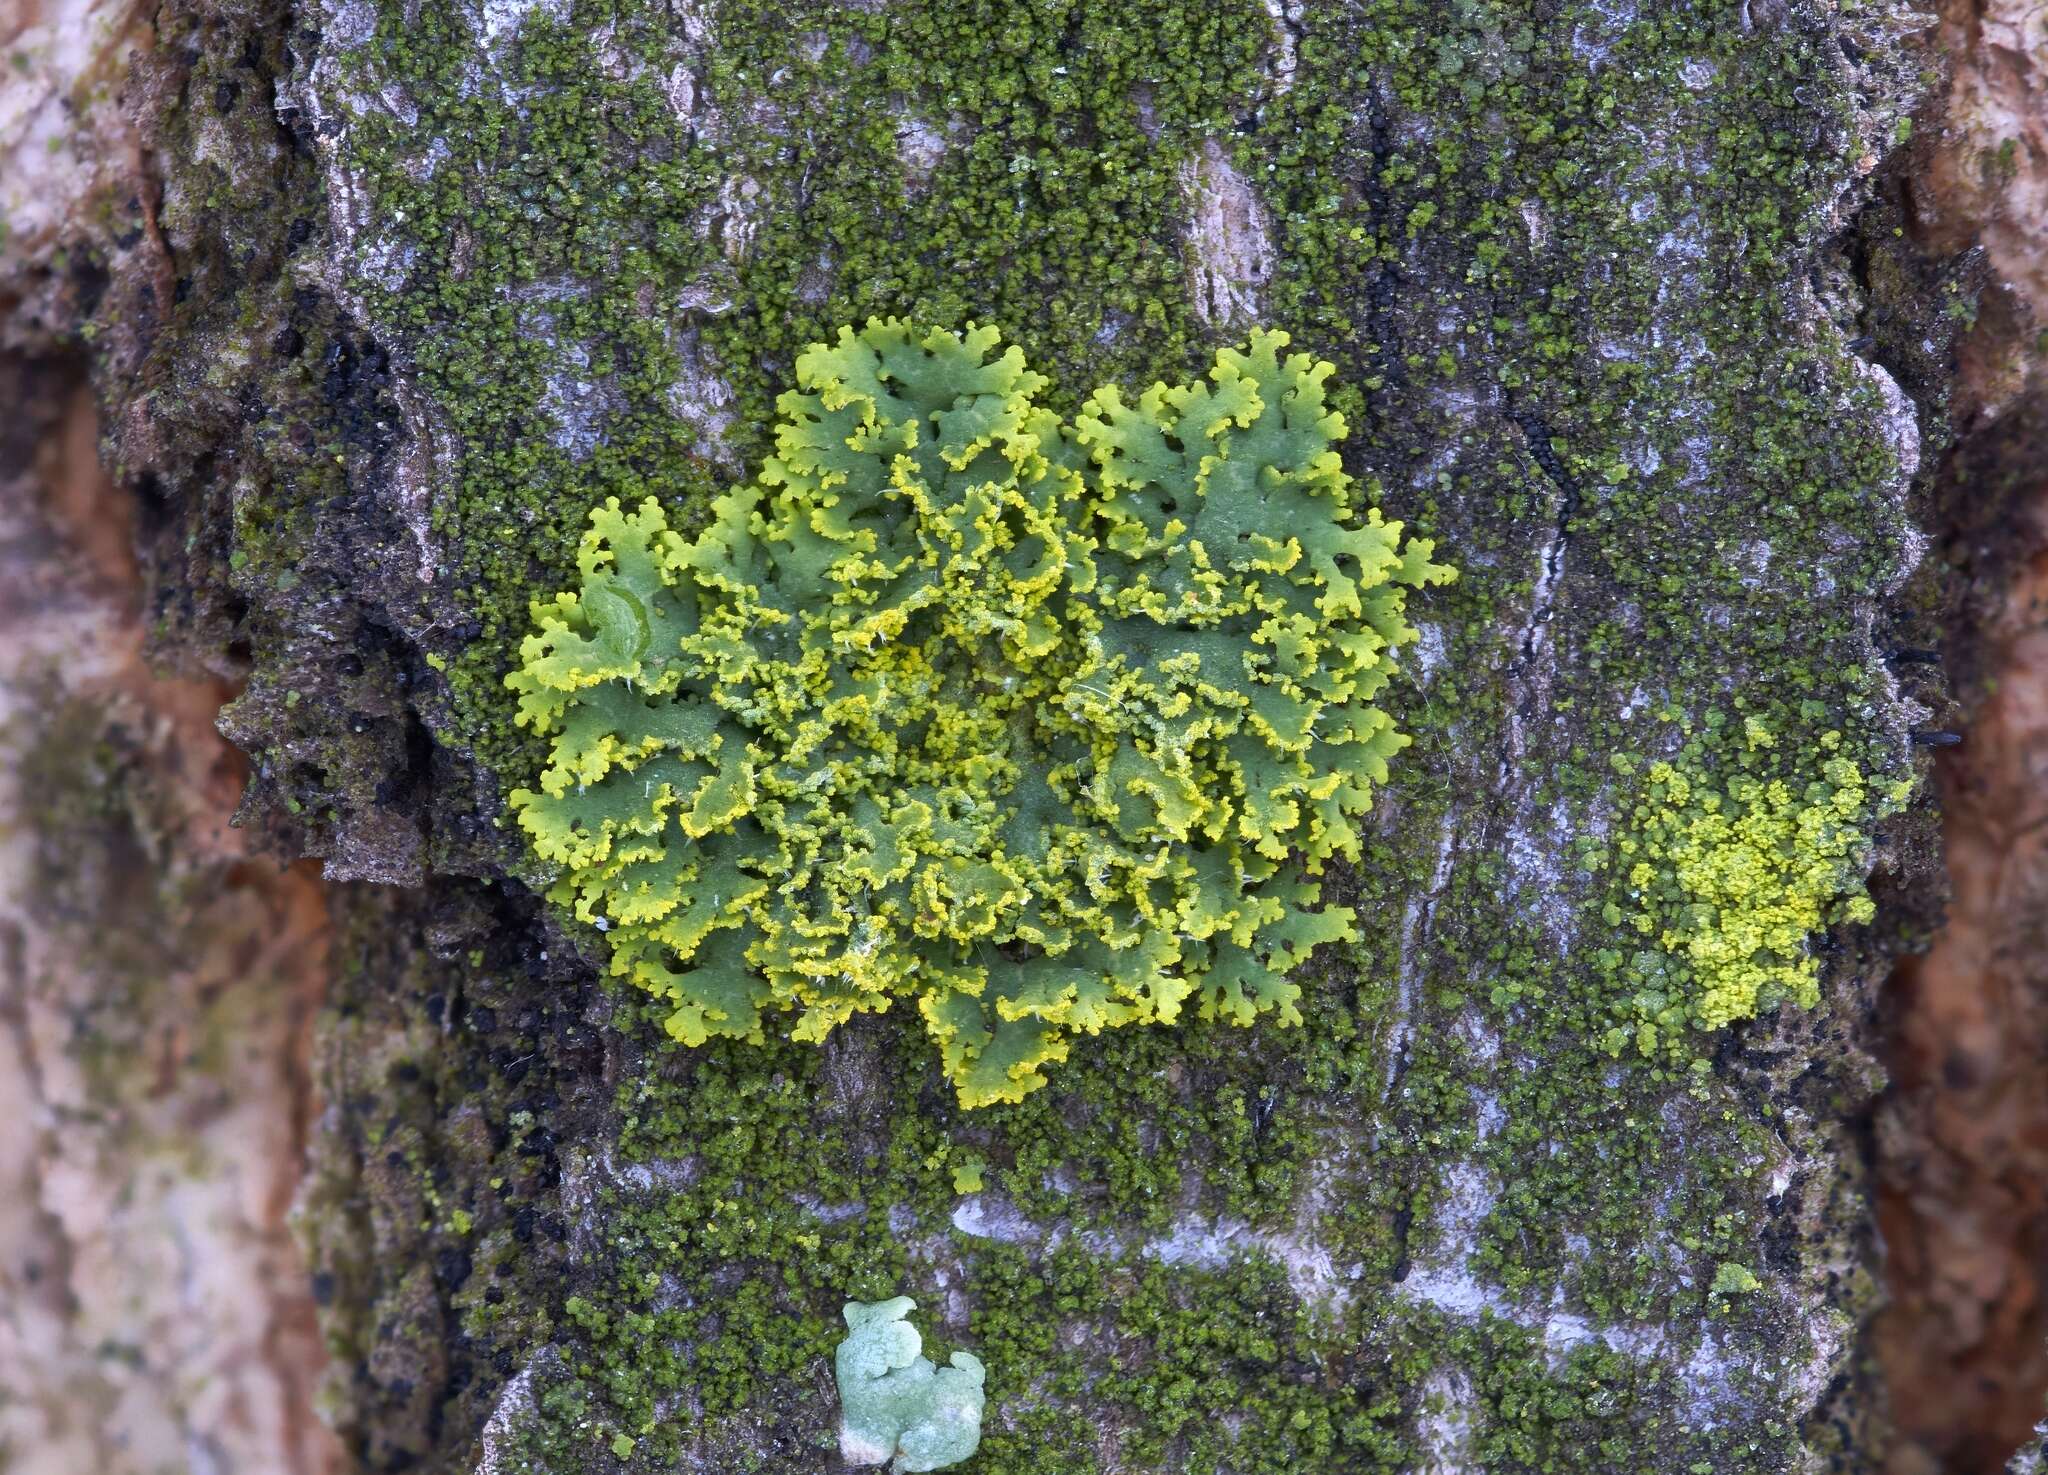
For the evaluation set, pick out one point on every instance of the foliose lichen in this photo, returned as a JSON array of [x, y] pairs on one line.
[[1049, 727], [894, 1402]]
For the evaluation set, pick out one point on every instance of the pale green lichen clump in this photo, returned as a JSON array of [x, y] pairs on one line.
[[1051, 728], [895, 1406]]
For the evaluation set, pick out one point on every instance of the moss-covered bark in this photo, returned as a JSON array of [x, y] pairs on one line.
[[453, 273]]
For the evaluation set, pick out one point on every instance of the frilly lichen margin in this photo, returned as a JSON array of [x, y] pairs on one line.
[[1049, 727]]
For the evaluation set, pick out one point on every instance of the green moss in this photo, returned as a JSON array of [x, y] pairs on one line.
[[1734, 1280]]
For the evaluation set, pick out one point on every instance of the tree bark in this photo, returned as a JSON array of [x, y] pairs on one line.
[[1626, 322]]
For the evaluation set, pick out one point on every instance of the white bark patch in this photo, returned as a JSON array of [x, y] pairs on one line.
[[500, 20], [1900, 426], [735, 218], [987, 1216], [856, 1449], [1230, 241], [679, 87], [1415, 918], [1430, 648], [364, 249], [578, 400], [1207, 1242], [1443, 1425], [514, 1407], [703, 398], [919, 147], [1286, 18]]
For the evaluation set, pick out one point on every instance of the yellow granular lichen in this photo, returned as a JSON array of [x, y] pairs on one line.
[[1732, 881]]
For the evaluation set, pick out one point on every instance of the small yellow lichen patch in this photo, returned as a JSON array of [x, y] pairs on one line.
[[1731, 881]]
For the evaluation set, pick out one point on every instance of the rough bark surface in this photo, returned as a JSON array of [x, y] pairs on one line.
[[1628, 326], [1961, 1131]]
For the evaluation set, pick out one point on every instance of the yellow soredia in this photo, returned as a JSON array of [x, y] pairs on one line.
[[1050, 728], [1731, 882]]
